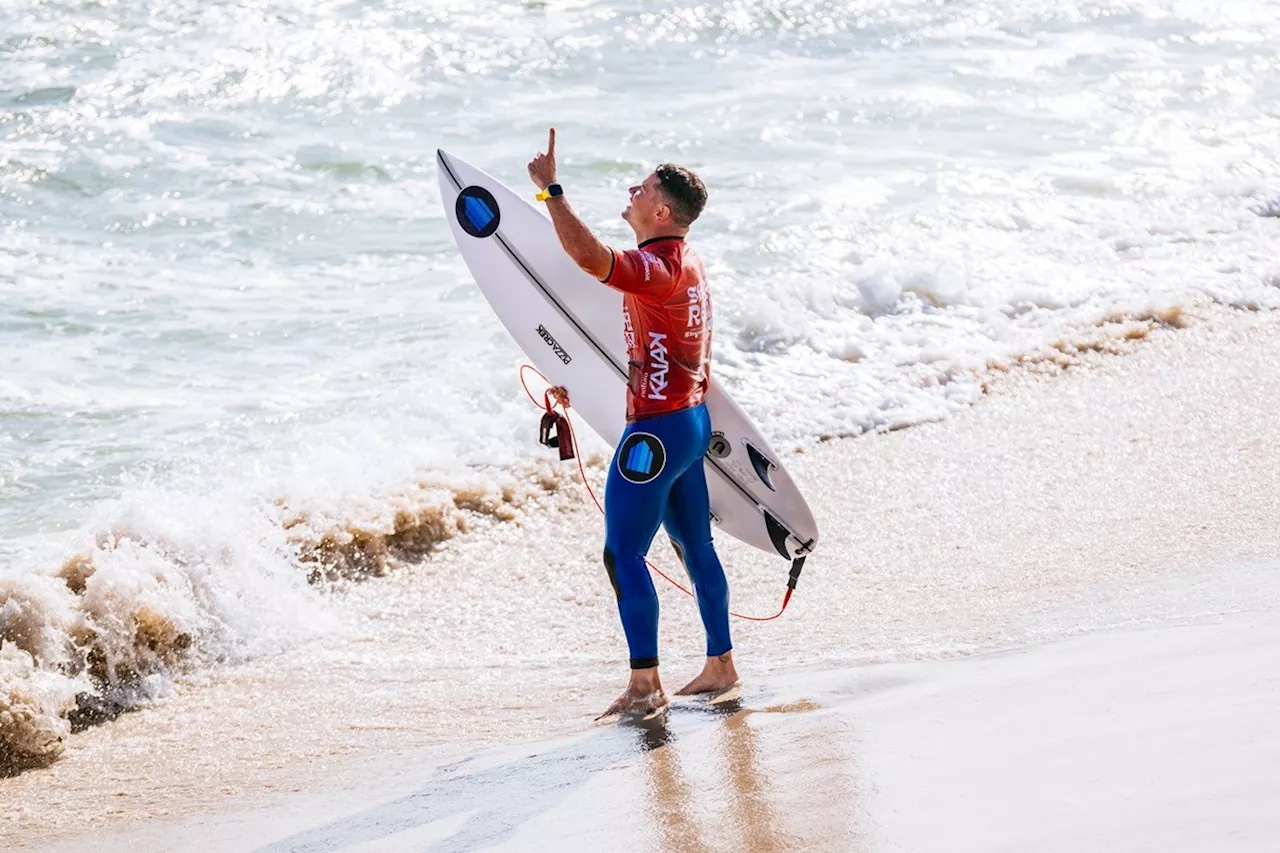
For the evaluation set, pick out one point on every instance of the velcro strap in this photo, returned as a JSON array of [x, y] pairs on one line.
[[554, 432], [546, 430]]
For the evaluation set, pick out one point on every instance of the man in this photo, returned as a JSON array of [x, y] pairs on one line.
[[656, 477]]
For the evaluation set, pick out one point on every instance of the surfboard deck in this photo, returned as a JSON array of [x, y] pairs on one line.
[[570, 327]]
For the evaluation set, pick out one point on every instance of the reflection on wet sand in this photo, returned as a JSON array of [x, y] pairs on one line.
[[669, 799], [800, 770], [749, 784]]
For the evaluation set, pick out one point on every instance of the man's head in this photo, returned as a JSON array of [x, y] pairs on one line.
[[666, 202]]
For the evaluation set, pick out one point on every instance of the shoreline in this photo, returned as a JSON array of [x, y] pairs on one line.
[[1101, 497]]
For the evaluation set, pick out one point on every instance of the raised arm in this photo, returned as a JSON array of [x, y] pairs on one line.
[[579, 243]]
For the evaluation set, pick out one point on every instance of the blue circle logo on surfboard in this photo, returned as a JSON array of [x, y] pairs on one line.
[[641, 457], [477, 212]]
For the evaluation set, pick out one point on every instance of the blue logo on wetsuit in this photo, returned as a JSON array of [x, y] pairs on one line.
[[641, 457]]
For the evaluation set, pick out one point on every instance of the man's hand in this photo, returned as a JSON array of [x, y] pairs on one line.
[[560, 394], [542, 169], [579, 243]]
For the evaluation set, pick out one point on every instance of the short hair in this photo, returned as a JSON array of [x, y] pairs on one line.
[[685, 192]]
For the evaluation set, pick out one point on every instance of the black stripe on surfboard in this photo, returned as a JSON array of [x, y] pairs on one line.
[[769, 515]]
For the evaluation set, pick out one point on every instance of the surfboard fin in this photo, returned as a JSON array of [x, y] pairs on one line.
[[762, 465], [777, 534]]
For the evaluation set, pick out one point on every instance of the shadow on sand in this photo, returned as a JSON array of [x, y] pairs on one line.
[[502, 798]]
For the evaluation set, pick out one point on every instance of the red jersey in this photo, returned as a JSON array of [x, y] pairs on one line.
[[666, 322]]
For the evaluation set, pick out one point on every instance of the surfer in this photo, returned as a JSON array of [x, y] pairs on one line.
[[656, 477]]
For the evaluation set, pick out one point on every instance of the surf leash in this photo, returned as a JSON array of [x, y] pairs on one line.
[[556, 431]]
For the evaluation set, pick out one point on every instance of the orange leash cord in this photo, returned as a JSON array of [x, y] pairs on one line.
[[549, 403]]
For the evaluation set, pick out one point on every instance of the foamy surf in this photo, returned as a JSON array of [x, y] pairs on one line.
[[156, 584], [164, 583]]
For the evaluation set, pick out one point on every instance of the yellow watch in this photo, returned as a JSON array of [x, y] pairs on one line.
[[552, 191]]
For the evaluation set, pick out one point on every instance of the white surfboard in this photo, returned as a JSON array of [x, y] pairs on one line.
[[570, 326]]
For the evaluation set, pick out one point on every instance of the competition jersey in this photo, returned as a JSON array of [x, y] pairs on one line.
[[666, 322]]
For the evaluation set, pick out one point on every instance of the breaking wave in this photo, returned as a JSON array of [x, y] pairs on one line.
[[164, 583]]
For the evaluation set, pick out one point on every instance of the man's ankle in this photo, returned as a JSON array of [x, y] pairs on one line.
[[720, 663], [645, 680]]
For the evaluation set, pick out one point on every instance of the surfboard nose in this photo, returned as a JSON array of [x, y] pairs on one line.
[[445, 170]]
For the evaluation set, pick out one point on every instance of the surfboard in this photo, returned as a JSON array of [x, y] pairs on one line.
[[570, 326]]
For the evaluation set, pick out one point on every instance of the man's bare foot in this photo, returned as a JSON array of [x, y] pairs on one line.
[[717, 674], [644, 696], [631, 704]]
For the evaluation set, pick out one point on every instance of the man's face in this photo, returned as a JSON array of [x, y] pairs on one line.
[[648, 205]]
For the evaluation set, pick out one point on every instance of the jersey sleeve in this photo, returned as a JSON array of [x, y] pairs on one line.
[[641, 273]]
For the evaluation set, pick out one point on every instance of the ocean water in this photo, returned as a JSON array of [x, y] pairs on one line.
[[240, 355]]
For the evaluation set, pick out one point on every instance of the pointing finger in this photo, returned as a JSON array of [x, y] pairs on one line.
[[551, 143]]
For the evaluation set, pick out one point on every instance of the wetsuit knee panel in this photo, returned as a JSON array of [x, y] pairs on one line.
[[611, 567]]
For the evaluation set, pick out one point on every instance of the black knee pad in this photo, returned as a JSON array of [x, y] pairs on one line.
[[611, 566]]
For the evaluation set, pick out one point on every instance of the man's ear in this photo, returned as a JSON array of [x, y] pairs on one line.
[[663, 213]]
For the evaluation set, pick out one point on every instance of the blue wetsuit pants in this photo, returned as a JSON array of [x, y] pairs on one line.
[[657, 478]]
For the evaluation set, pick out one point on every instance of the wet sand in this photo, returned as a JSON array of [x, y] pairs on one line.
[[1130, 493], [1158, 739]]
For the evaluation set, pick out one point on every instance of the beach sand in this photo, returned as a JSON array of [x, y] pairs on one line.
[[1048, 623], [1161, 739]]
